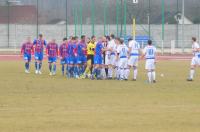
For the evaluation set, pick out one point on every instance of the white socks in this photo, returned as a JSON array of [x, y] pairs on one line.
[[135, 72], [151, 76], [121, 73], [127, 72], [109, 72], [192, 73], [154, 75]]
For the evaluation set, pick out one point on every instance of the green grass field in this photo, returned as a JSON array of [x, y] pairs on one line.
[[33, 103]]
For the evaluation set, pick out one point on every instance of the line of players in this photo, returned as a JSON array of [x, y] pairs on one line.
[[104, 58]]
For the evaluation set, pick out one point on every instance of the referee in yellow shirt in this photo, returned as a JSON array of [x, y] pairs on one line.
[[90, 56]]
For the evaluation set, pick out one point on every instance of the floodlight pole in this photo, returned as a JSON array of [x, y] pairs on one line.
[[105, 11], [8, 4], [66, 21], [125, 8], [37, 29], [183, 23], [81, 17], [117, 17], [149, 21], [121, 18], [163, 24], [177, 25]]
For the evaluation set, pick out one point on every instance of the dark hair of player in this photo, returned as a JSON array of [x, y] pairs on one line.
[[194, 39], [129, 39], [149, 42], [64, 39], [92, 37], [112, 36], [76, 37], [108, 38], [83, 37], [118, 39], [40, 35], [121, 41], [73, 38]]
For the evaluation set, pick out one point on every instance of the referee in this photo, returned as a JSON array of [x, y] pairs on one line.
[[90, 56]]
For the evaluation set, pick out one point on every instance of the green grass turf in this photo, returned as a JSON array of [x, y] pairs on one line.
[[33, 103]]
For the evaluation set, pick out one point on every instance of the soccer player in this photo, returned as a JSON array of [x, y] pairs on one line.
[[196, 58], [90, 57], [39, 49], [26, 51], [81, 55], [76, 66], [52, 53], [122, 56], [111, 56], [107, 56], [98, 59], [71, 71], [63, 55], [150, 56], [134, 50], [117, 68]]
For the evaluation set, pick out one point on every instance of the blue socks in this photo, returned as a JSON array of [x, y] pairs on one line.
[[54, 68], [40, 66], [50, 67], [63, 69], [27, 65]]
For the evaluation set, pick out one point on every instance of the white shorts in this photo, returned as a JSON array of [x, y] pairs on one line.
[[195, 61], [150, 64], [107, 59], [123, 63], [133, 61], [117, 63], [112, 60]]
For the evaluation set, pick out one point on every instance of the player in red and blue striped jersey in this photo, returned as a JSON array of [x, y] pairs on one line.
[[64, 55], [81, 55], [27, 50], [72, 58], [39, 45], [52, 53]]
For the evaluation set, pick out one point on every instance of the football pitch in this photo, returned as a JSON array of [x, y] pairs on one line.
[[43, 103]]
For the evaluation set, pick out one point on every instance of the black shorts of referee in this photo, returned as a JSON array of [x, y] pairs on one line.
[[90, 57]]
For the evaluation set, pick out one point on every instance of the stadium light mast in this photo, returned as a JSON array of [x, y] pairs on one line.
[[37, 30], [9, 3], [66, 20], [121, 30], [183, 23], [149, 21], [134, 20], [163, 24]]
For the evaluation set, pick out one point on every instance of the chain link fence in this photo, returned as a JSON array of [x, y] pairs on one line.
[[57, 19]]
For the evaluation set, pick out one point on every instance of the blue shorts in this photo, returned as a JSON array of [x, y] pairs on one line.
[[98, 60], [27, 57], [39, 56], [81, 59], [52, 59], [64, 61], [72, 60]]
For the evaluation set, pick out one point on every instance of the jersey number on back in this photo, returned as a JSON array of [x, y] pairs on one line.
[[150, 51]]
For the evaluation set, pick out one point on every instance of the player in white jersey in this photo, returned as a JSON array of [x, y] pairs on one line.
[[117, 69], [134, 50], [122, 56], [111, 56], [196, 58], [150, 56]]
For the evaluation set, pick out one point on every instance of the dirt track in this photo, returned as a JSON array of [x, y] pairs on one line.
[[160, 57]]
